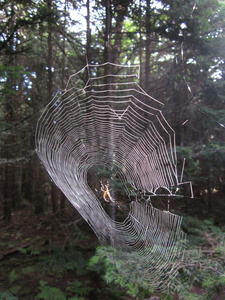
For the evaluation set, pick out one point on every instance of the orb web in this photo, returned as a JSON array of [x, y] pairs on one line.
[[107, 133]]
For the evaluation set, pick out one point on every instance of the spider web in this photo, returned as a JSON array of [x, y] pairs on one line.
[[110, 129]]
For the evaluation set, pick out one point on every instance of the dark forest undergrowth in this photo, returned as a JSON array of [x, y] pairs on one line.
[[47, 256]]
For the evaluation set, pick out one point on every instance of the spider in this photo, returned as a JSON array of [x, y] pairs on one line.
[[106, 193]]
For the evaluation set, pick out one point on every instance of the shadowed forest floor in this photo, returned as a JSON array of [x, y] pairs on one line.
[[47, 254], [41, 252]]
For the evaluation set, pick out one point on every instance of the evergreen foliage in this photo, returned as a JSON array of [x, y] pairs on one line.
[[203, 267], [49, 293]]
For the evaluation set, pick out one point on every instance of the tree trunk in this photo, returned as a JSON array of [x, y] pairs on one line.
[[209, 190], [88, 34], [49, 62], [38, 186], [147, 46], [108, 33], [121, 11], [54, 197]]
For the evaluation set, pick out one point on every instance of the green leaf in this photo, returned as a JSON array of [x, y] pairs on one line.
[[77, 298], [7, 296], [79, 288], [28, 269], [13, 276], [14, 289], [221, 279], [50, 293]]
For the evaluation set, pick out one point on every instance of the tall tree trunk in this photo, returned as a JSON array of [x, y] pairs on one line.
[[49, 62], [54, 191], [88, 34], [63, 83], [61, 196], [7, 193], [147, 45], [12, 177], [54, 197], [209, 189], [141, 60], [121, 11], [108, 33]]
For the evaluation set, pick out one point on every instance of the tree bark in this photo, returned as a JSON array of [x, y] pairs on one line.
[[108, 32], [88, 34], [147, 45], [49, 62]]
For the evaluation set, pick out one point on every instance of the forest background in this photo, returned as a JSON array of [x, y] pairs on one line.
[[179, 46]]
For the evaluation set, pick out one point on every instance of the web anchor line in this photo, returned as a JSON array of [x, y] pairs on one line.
[[200, 109], [109, 122]]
